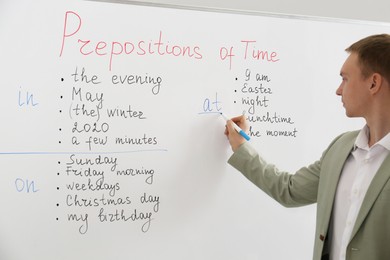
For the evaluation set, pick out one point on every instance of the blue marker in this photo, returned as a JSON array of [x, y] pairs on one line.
[[238, 129]]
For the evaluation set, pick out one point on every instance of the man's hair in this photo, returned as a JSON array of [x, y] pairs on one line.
[[373, 54]]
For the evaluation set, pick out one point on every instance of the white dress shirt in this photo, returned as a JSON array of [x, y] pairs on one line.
[[358, 172]]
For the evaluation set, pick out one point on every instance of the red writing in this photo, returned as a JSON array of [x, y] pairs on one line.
[[72, 26], [252, 52]]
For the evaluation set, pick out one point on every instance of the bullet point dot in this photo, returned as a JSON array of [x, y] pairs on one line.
[[62, 79], [236, 78], [58, 204]]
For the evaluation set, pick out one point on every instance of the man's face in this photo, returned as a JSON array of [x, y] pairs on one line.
[[354, 88]]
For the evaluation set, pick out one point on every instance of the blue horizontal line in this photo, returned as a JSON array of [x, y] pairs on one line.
[[66, 153], [208, 113]]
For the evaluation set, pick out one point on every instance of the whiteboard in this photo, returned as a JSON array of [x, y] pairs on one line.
[[112, 146]]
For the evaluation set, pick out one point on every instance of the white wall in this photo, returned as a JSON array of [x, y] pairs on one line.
[[370, 10]]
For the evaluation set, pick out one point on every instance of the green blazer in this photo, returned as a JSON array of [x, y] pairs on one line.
[[317, 183]]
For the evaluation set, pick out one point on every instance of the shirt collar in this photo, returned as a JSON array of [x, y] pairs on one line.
[[362, 140]]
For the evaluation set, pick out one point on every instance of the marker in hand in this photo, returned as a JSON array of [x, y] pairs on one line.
[[238, 129]]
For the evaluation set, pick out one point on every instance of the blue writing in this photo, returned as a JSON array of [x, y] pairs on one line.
[[29, 101], [211, 106], [25, 185]]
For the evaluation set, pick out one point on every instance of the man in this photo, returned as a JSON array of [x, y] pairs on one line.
[[351, 181]]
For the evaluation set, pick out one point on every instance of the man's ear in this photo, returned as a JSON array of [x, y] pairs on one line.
[[376, 83]]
